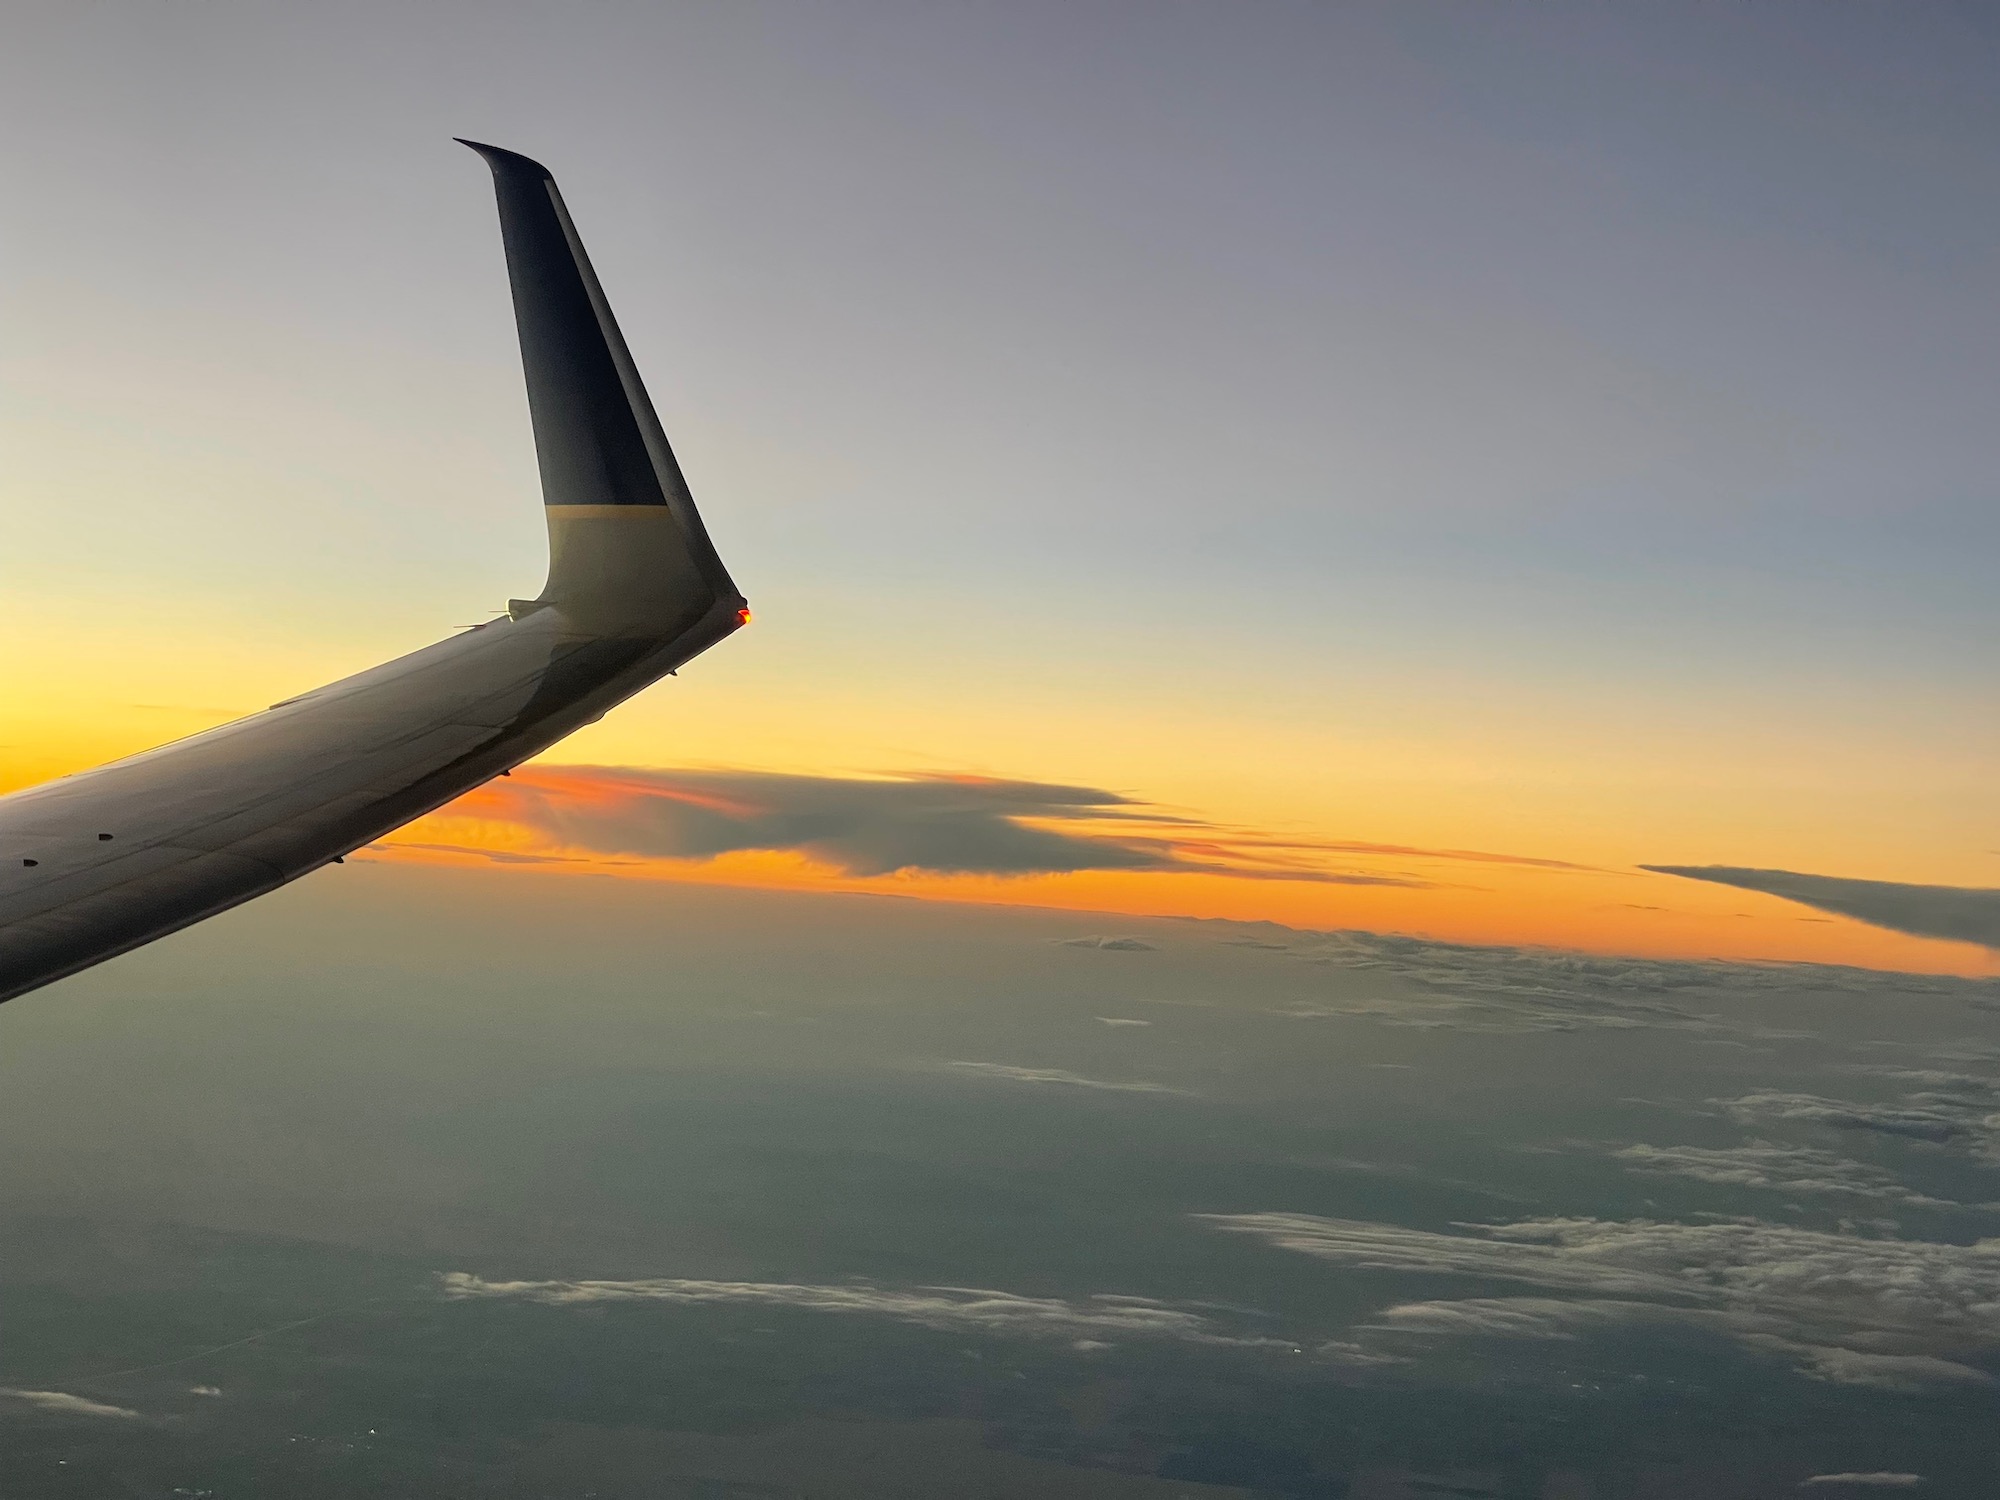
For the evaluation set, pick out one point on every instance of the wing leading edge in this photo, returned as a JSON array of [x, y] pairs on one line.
[[98, 863]]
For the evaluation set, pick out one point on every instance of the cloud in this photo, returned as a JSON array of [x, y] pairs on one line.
[[1966, 1118], [1775, 1168], [1882, 1479], [497, 856], [1880, 1312], [1109, 944], [1121, 1021], [1468, 856], [955, 1309], [1910, 1373], [62, 1403], [1357, 1356], [1911, 1121], [1513, 1317], [1059, 1076], [1465, 987], [1959, 914], [1548, 1318], [1504, 990], [1366, 1245], [939, 824], [952, 825]]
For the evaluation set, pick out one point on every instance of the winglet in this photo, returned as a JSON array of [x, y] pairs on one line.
[[498, 156], [628, 549]]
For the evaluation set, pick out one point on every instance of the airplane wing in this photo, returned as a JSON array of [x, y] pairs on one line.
[[98, 863]]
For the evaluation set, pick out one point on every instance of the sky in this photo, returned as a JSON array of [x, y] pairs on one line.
[[1393, 467]]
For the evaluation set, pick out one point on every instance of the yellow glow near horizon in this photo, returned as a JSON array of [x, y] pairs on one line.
[[101, 683], [1602, 911]]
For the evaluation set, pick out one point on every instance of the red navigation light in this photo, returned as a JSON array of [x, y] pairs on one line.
[[743, 615]]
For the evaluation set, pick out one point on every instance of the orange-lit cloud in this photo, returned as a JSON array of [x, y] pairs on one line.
[[991, 840], [936, 825]]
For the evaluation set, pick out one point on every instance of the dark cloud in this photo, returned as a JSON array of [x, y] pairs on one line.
[[940, 824], [949, 825], [1960, 914]]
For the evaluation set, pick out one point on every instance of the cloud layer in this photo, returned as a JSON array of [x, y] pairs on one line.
[[1960, 914], [1883, 1312]]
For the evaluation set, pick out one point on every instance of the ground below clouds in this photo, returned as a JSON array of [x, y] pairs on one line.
[[372, 1188]]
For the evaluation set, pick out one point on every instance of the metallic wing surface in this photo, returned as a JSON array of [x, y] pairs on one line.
[[100, 862]]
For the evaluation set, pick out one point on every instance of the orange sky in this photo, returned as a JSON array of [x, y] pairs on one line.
[[1452, 896], [102, 682]]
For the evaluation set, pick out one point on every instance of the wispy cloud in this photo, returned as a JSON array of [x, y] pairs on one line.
[[1061, 1077], [1964, 1116], [63, 1404], [959, 1309], [1515, 1317], [497, 856], [1502, 1253], [1776, 1168], [1959, 914], [1882, 1312], [1917, 1122]]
